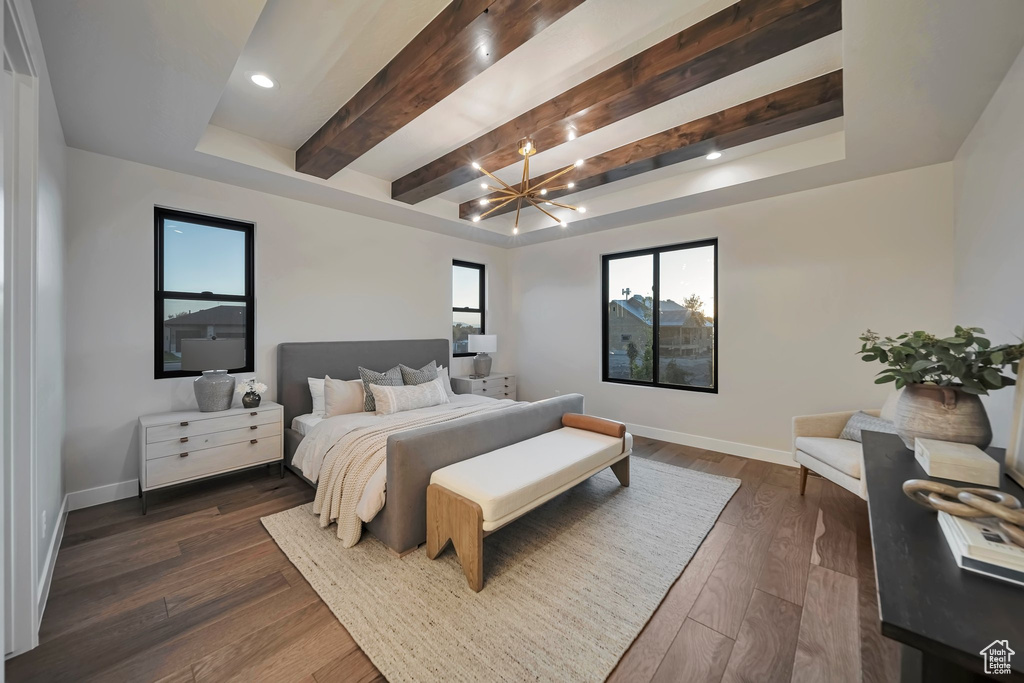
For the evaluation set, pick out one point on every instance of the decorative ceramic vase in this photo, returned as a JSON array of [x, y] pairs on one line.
[[929, 411], [214, 390], [250, 400]]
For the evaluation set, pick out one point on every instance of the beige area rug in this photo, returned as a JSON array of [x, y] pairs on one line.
[[566, 588]]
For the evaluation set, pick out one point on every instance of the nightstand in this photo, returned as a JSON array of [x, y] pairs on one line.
[[179, 447], [495, 386]]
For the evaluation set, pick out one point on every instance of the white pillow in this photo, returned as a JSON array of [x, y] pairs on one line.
[[391, 400], [342, 397], [889, 409], [446, 382], [316, 390]]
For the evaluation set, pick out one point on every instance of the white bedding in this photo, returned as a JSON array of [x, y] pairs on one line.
[[303, 424], [320, 434]]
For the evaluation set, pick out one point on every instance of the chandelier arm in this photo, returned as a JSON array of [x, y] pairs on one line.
[[494, 177], [542, 210], [560, 173], [496, 207], [563, 206], [524, 186], [519, 206], [499, 189]]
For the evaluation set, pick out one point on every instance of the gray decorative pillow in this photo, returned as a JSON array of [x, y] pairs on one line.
[[412, 377], [391, 378], [861, 421]]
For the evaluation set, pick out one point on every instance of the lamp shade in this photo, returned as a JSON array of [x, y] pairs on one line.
[[483, 343], [212, 354]]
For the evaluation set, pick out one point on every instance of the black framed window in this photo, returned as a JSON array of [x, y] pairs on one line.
[[204, 286], [467, 305], [674, 344]]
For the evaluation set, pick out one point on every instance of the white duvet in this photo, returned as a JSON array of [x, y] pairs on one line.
[[325, 433]]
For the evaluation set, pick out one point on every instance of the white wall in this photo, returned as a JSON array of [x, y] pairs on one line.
[[49, 332], [989, 204], [321, 274], [800, 277]]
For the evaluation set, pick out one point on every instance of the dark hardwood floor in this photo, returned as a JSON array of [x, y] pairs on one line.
[[782, 589]]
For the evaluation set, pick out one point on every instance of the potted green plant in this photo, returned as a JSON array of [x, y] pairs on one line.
[[943, 379]]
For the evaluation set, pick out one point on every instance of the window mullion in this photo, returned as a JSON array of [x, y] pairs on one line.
[[655, 332]]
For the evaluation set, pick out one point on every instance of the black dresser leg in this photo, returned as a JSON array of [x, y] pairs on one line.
[[282, 469], [143, 502]]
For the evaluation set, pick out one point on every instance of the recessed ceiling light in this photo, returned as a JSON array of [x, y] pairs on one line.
[[713, 156], [262, 80]]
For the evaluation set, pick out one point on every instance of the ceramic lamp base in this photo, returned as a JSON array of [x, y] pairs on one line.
[[214, 390], [481, 365]]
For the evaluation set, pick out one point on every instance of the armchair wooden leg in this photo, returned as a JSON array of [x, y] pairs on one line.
[[803, 479]]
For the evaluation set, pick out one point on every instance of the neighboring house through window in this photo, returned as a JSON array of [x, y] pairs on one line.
[[672, 344], [467, 304], [204, 286]]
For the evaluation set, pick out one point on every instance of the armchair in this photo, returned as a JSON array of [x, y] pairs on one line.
[[817, 447]]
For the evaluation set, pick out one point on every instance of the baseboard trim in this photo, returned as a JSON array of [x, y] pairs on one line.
[[102, 494], [51, 559], [731, 447]]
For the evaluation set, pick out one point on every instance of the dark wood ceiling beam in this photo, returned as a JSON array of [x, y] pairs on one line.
[[459, 44], [819, 99], [729, 41]]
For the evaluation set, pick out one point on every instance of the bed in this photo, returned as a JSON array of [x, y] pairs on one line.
[[412, 455]]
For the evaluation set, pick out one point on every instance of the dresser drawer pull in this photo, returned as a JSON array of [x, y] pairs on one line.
[[184, 424], [183, 455], [253, 441], [184, 439], [506, 386], [254, 426], [484, 381], [254, 413]]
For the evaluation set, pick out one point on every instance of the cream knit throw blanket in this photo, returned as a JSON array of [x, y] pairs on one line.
[[351, 462]]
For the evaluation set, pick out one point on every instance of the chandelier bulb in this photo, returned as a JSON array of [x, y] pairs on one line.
[[485, 201], [564, 224], [544, 191], [582, 209], [579, 162], [476, 219], [571, 185], [476, 166]]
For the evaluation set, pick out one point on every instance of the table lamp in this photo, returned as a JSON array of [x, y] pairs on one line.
[[482, 344], [216, 388]]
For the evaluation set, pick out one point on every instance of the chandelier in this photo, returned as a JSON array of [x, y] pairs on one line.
[[534, 195]]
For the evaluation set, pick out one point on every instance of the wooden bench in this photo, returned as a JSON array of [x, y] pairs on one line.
[[470, 499]]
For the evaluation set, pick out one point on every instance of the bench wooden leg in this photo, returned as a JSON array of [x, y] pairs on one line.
[[451, 517], [803, 479], [621, 470]]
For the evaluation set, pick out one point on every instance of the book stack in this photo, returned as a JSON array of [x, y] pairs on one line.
[[978, 545]]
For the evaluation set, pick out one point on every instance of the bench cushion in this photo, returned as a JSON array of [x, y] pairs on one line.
[[841, 454], [510, 478]]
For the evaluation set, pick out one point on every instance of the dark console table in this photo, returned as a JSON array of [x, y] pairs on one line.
[[942, 614]]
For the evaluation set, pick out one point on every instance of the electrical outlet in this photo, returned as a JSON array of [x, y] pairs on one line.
[[42, 533]]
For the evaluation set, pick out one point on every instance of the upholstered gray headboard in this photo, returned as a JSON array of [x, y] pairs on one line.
[[297, 361]]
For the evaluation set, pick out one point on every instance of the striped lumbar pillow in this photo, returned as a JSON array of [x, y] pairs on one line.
[[390, 400], [391, 378]]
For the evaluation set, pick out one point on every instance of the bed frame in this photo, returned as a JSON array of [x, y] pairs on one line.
[[412, 456]]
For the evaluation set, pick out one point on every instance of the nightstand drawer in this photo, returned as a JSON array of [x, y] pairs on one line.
[[496, 391], [209, 425], [175, 468], [495, 382], [199, 442]]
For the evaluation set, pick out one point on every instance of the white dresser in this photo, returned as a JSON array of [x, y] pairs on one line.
[[183, 446], [495, 386]]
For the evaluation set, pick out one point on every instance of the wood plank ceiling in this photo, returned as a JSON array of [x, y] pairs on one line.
[[446, 55]]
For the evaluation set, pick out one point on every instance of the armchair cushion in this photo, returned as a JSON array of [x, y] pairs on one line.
[[840, 454]]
